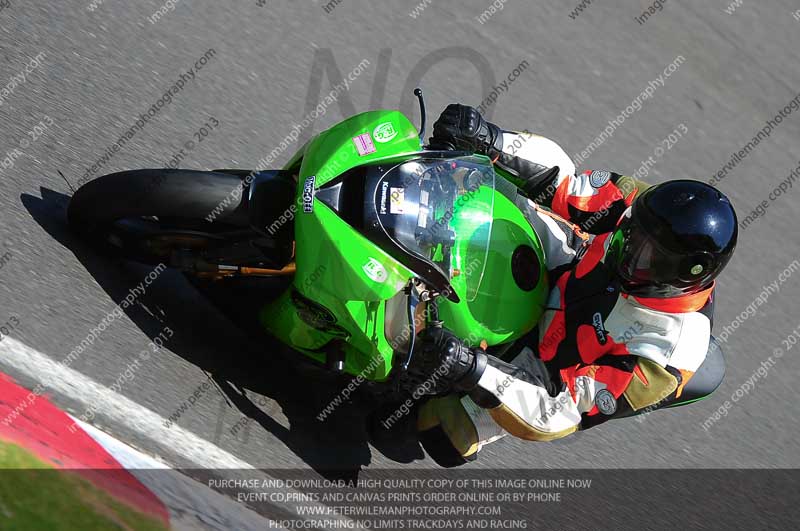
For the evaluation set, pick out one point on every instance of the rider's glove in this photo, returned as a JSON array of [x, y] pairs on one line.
[[443, 363], [463, 127]]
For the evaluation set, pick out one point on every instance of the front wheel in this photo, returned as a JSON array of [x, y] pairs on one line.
[[177, 217]]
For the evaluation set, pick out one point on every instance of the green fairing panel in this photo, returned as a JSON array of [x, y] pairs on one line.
[[342, 271], [337, 267], [381, 136]]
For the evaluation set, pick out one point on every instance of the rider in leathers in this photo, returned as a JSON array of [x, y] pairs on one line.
[[628, 320]]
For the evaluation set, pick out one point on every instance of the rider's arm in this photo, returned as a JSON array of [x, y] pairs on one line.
[[520, 402], [647, 357], [525, 398], [590, 394], [594, 200], [541, 168]]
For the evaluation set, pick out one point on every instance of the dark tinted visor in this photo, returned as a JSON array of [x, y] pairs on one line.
[[645, 266]]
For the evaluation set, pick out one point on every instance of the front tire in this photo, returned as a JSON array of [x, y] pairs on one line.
[[145, 214]]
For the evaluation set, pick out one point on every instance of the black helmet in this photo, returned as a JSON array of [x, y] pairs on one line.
[[674, 240]]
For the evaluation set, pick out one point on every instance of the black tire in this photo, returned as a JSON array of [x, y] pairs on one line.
[[181, 200]]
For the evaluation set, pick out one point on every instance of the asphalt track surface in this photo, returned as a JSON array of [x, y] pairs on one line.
[[273, 64]]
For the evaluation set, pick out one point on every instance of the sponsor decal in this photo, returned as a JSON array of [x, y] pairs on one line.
[[316, 316], [308, 194], [605, 402], [599, 330], [598, 178], [384, 132], [397, 200], [375, 270], [364, 144]]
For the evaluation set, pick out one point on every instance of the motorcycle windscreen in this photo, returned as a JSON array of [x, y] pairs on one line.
[[441, 211]]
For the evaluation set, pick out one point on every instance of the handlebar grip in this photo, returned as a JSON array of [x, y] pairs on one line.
[[440, 145]]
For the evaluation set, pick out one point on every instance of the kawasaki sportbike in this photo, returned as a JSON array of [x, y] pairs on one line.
[[373, 235]]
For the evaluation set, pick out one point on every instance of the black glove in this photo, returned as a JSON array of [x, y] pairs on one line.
[[463, 127], [443, 363]]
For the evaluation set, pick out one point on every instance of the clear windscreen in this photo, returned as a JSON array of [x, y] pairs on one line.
[[441, 211]]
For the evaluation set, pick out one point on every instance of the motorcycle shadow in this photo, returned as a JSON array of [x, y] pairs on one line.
[[258, 386]]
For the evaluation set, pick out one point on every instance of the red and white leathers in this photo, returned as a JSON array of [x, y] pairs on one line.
[[607, 352]]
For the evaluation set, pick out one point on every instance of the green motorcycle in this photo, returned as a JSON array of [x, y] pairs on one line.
[[372, 234]]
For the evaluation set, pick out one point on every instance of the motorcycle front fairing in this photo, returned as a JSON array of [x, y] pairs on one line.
[[437, 226], [342, 281]]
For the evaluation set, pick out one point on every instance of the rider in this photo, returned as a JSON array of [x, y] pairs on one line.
[[628, 320]]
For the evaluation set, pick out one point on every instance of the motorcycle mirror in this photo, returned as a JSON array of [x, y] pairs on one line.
[[418, 94], [411, 310]]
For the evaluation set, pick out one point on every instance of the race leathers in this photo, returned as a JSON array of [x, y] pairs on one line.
[[605, 353]]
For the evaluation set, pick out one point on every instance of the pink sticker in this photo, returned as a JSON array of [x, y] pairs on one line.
[[364, 144]]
